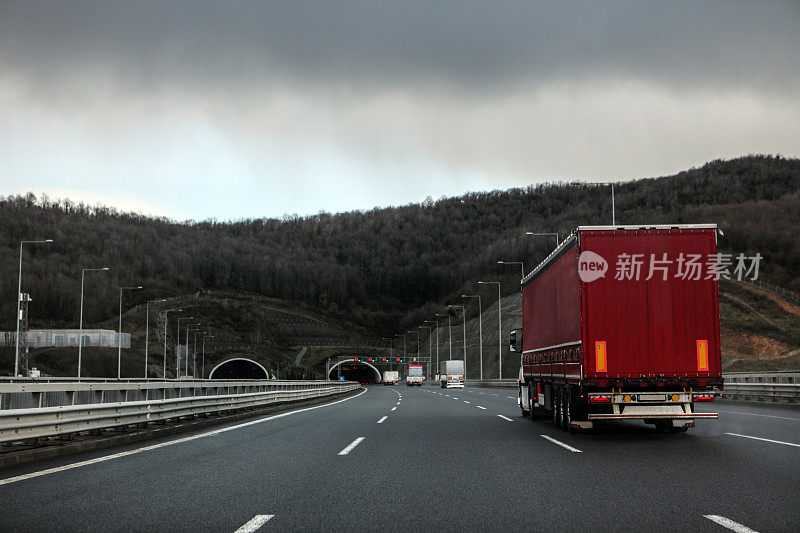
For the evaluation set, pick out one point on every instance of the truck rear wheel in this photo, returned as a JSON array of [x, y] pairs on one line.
[[557, 407], [568, 407]]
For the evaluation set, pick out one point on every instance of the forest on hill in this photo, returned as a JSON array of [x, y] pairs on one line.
[[384, 269]]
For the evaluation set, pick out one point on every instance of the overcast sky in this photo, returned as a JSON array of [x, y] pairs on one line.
[[195, 110]]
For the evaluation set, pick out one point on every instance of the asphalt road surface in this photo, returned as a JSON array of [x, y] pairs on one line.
[[399, 458]]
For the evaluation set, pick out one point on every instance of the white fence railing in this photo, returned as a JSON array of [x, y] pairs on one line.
[[30, 410], [760, 386]]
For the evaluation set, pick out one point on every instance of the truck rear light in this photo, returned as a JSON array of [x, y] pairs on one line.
[[675, 397], [704, 397], [600, 356], [599, 399], [702, 356]]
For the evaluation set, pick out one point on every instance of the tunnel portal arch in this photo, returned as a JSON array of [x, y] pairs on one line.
[[353, 370], [239, 368]]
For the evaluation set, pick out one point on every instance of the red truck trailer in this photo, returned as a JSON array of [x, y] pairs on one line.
[[622, 323]]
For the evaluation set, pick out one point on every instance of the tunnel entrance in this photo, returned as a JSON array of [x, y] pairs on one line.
[[354, 371], [239, 368]]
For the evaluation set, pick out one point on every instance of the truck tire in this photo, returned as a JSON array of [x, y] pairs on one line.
[[557, 406], [568, 410]]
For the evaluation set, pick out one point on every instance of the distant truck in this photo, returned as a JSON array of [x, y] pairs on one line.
[[605, 339], [451, 373], [415, 376], [391, 377]]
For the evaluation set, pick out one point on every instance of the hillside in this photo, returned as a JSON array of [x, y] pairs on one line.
[[377, 272]]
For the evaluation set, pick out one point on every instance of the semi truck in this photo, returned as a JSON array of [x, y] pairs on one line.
[[451, 373], [622, 323], [414, 376], [391, 377]]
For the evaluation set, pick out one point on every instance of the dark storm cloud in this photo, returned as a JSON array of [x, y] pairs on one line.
[[466, 46]]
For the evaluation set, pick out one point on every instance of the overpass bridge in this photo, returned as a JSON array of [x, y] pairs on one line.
[[384, 458]]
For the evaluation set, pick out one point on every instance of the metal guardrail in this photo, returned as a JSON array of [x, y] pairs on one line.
[[33, 410], [503, 383], [776, 392], [759, 386]]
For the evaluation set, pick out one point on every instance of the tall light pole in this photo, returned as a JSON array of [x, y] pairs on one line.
[[203, 364], [194, 354], [119, 335], [535, 234], [147, 331], [189, 327], [417, 332], [464, 316], [499, 327], [436, 369], [520, 263], [480, 328], [449, 333], [19, 299], [80, 325], [166, 321], [178, 350], [430, 347]]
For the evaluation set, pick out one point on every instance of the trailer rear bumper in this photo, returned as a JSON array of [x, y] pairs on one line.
[[670, 416]]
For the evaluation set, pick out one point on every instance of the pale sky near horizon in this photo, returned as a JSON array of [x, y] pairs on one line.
[[231, 110]]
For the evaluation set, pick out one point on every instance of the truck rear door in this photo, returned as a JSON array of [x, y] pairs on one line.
[[653, 314]]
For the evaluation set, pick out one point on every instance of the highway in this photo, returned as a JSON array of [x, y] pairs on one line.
[[400, 458]]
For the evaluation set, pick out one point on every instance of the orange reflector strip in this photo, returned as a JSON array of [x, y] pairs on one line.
[[600, 356], [702, 356]]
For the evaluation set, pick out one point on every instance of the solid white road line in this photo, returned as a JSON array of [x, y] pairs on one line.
[[253, 525], [393, 408], [168, 443], [505, 418], [765, 440], [756, 414], [351, 446], [382, 419], [567, 446], [730, 524], [480, 407]]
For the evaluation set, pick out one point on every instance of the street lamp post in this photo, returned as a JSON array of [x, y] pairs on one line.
[[449, 333], [499, 327], [417, 332], [430, 347], [520, 263], [464, 317], [178, 350], [119, 335], [166, 321], [147, 331], [480, 328], [189, 327], [80, 324], [19, 299], [203, 365], [436, 369]]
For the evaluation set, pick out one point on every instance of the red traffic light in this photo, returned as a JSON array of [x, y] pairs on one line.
[[383, 359], [397, 359], [369, 359], [355, 359]]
